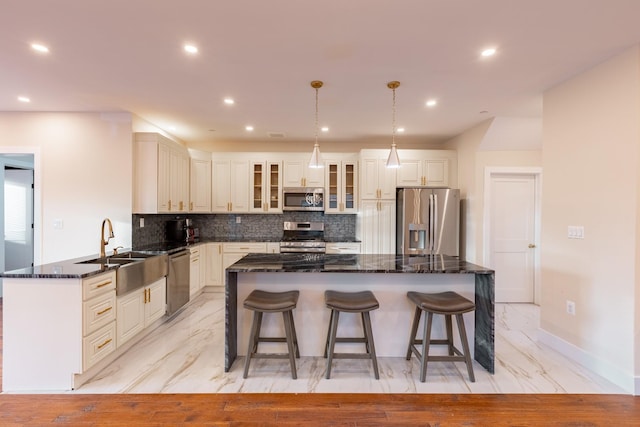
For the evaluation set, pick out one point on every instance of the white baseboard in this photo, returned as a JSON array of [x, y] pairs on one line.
[[605, 369]]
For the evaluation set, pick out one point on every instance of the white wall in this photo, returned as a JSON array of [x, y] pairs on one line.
[[591, 154], [84, 167], [471, 166]]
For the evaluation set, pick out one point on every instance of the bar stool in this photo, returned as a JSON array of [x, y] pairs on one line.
[[447, 304], [272, 302], [350, 302]]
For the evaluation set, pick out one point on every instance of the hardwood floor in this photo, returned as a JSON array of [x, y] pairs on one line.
[[318, 409]]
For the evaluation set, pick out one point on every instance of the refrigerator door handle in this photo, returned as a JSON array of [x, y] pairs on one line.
[[436, 229], [431, 222]]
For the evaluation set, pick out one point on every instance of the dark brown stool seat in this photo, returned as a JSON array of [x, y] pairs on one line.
[[350, 302], [272, 302], [448, 304]]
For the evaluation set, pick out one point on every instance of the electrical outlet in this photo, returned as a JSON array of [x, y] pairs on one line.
[[571, 307], [58, 224], [141, 222], [238, 220]]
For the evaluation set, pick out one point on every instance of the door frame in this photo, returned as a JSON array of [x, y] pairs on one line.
[[489, 173], [37, 195]]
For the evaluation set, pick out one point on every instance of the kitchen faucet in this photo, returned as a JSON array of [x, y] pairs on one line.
[[103, 242]]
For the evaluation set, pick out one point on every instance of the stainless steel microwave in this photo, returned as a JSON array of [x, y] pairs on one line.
[[303, 199]]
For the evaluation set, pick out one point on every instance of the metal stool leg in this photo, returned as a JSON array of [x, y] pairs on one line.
[[426, 341], [253, 341], [465, 347], [371, 348], [288, 328], [295, 335], [447, 318], [333, 324], [414, 331]]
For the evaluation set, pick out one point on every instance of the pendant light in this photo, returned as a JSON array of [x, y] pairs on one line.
[[393, 161], [315, 161]]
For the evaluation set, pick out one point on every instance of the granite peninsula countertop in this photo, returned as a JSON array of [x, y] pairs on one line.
[[360, 263]]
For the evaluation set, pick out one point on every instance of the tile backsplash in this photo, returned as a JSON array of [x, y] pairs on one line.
[[251, 227]]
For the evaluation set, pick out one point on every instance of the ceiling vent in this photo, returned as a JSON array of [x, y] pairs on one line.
[[275, 134]]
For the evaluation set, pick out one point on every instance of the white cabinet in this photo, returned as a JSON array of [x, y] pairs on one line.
[[161, 175], [214, 271], [139, 309], [273, 247], [297, 173], [98, 318], [343, 248], [200, 182], [266, 185], [377, 181], [234, 251], [194, 271], [376, 228], [230, 185], [341, 177], [431, 168]]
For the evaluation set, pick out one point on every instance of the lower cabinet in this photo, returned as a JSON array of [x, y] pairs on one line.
[[213, 269], [377, 227], [98, 318], [194, 271], [343, 248], [140, 308]]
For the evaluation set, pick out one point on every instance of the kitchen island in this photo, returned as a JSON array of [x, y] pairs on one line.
[[388, 276]]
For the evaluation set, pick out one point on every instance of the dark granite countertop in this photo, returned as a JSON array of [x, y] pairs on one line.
[[361, 263]]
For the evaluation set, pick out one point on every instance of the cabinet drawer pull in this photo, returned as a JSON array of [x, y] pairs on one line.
[[104, 311], [103, 284], [195, 260], [104, 343]]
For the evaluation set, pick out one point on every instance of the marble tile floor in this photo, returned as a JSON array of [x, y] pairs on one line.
[[186, 355]]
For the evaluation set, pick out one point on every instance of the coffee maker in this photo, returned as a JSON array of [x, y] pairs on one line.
[[182, 230]]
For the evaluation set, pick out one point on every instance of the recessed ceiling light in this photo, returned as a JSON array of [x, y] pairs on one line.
[[248, 128], [24, 99], [400, 130], [229, 101], [324, 129], [189, 48], [39, 47], [431, 103], [488, 52]]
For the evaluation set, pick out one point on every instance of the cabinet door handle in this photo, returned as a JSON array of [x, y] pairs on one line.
[[191, 206], [104, 311], [103, 284], [169, 205], [104, 343]]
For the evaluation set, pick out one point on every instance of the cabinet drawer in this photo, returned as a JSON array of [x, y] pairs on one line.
[[343, 248], [247, 247], [98, 345], [97, 285], [98, 311]]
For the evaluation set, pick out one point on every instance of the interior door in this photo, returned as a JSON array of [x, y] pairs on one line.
[[18, 218], [512, 240]]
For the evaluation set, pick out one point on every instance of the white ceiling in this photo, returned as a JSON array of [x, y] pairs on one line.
[[127, 55]]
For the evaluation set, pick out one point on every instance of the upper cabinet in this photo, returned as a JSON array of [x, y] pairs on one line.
[[200, 182], [266, 183], [341, 178], [430, 168], [230, 185], [297, 173], [377, 181], [161, 175]]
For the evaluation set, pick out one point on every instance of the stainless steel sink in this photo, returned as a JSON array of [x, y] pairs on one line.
[[135, 270]]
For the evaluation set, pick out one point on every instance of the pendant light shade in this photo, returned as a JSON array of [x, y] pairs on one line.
[[393, 161], [316, 161]]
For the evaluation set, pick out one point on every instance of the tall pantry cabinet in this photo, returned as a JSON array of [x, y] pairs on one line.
[[376, 228]]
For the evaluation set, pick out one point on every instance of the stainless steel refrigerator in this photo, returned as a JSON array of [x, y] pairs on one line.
[[428, 221]]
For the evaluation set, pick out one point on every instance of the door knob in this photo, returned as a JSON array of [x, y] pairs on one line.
[[531, 246]]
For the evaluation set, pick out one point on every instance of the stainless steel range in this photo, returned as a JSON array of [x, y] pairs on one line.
[[303, 237]]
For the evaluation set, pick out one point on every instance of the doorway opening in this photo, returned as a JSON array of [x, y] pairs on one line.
[[18, 224]]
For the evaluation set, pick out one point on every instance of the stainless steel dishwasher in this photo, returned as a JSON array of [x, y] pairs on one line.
[[178, 281]]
